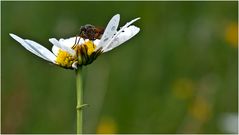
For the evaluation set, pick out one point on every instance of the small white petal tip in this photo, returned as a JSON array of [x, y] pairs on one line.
[[74, 65], [13, 35]]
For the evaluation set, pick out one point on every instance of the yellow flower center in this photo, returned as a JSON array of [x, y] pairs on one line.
[[90, 47], [85, 54], [64, 59]]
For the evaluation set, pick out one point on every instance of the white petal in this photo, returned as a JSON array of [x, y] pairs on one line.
[[68, 42], [55, 49], [127, 34], [24, 44], [110, 30], [74, 65], [120, 31], [64, 42], [71, 41], [35, 48], [62, 46], [42, 50], [96, 42]]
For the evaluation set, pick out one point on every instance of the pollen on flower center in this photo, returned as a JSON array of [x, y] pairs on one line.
[[65, 59]]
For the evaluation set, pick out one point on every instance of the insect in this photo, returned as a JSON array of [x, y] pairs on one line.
[[109, 37], [91, 32]]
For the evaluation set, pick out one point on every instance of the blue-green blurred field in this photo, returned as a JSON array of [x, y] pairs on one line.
[[178, 75]]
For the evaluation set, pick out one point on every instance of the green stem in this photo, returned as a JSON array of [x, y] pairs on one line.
[[79, 92]]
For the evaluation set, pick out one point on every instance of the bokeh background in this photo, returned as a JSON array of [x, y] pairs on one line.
[[178, 75]]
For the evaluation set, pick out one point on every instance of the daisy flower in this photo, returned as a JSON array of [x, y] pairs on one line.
[[77, 51], [83, 49]]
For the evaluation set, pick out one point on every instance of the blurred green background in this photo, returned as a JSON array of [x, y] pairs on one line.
[[178, 75]]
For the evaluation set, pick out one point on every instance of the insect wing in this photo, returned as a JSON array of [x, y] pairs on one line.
[[109, 31]]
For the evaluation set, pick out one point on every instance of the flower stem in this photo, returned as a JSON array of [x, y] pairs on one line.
[[79, 93]]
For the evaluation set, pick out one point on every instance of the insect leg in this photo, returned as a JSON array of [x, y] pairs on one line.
[[74, 46]]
